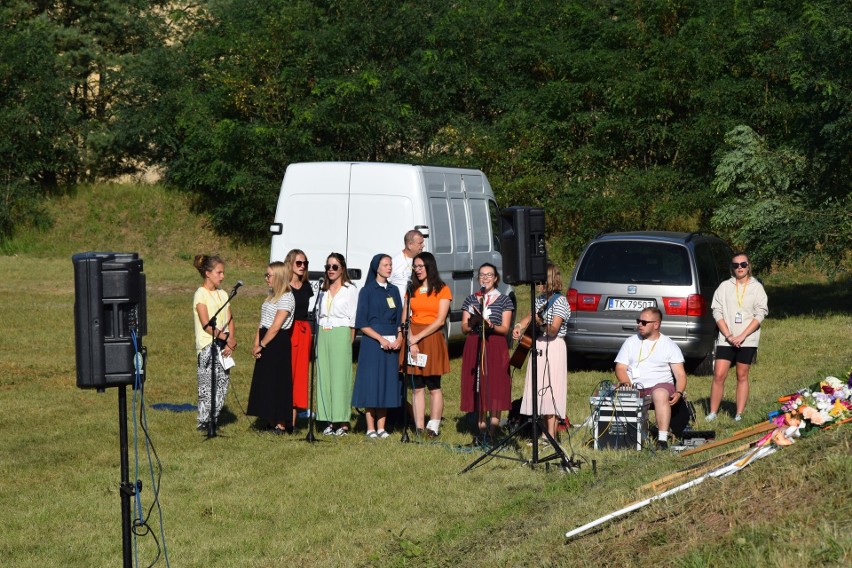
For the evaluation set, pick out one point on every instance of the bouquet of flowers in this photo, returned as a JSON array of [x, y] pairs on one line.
[[827, 403]]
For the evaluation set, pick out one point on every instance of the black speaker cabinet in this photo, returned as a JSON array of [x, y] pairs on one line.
[[522, 243], [109, 313]]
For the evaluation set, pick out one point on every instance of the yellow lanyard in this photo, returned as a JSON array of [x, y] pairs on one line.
[[329, 300], [740, 298], [641, 345]]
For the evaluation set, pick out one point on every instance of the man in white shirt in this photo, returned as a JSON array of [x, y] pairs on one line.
[[414, 243], [653, 363]]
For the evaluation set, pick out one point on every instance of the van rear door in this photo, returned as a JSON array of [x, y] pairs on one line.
[[384, 203], [312, 214]]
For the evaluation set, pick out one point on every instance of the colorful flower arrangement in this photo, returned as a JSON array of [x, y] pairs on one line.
[[820, 406]]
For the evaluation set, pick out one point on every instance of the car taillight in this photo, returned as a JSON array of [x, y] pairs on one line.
[[675, 306], [572, 299], [693, 305], [583, 302]]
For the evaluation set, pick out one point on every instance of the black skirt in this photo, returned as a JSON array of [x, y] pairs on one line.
[[271, 394]]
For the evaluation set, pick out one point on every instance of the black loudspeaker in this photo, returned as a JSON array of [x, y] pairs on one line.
[[109, 309], [522, 243]]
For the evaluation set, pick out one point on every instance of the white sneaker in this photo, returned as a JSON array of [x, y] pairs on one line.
[[372, 434], [329, 430], [710, 417], [382, 434], [738, 417], [342, 431]]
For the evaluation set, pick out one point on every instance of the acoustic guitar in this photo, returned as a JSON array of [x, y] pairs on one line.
[[525, 342]]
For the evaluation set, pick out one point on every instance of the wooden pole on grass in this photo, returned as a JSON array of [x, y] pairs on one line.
[[742, 434]]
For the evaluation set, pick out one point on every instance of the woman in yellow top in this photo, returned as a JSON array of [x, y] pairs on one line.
[[208, 299], [428, 301]]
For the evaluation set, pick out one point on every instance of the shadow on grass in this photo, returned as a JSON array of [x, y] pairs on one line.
[[810, 299], [600, 363], [728, 407]]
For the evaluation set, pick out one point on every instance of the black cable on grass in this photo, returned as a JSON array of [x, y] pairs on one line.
[[141, 526]]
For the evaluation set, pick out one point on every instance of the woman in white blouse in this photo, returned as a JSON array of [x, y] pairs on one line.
[[338, 302]]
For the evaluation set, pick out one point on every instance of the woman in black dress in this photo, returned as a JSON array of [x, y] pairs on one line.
[[271, 394]]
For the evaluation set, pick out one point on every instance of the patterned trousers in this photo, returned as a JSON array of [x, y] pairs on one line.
[[223, 380]]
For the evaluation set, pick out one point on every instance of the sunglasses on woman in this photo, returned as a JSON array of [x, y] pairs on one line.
[[332, 267], [301, 263], [735, 265]]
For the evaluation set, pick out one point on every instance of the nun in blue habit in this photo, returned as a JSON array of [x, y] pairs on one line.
[[379, 317]]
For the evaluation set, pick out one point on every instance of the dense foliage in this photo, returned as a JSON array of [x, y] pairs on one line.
[[661, 114]]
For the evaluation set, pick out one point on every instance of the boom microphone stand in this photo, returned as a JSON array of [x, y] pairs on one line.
[[311, 437], [407, 376], [214, 354], [480, 349], [532, 421]]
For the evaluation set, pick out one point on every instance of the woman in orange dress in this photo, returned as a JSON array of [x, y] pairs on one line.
[[429, 304]]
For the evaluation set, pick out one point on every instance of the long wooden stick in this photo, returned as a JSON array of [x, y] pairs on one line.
[[699, 467], [751, 431], [759, 427]]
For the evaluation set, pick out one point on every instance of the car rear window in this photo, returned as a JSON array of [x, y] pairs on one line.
[[636, 262]]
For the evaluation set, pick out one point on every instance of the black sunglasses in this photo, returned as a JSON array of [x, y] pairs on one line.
[[645, 322], [332, 266], [735, 265], [301, 263]]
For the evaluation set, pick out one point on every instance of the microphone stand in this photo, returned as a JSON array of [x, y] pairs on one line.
[[311, 437], [214, 354], [406, 375], [480, 350]]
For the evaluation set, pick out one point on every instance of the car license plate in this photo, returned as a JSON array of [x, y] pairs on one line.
[[629, 304]]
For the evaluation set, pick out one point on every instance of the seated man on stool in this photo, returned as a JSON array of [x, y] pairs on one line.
[[654, 364]]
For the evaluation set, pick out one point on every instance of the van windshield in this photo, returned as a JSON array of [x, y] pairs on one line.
[[636, 262]]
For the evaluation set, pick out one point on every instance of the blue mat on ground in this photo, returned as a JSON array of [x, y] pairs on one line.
[[185, 407]]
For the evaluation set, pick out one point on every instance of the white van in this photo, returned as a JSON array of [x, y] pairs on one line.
[[360, 209]]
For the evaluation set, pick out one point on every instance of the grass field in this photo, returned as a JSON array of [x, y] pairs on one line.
[[248, 498]]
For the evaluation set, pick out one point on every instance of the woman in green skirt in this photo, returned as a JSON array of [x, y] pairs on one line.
[[338, 302]]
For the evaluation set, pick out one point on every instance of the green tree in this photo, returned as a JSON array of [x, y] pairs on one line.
[[767, 208], [82, 89], [34, 150]]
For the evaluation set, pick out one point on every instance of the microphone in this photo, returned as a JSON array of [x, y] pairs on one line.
[[236, 287], [482, 290]]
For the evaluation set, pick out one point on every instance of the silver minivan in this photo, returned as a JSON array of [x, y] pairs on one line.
[[620, 274]]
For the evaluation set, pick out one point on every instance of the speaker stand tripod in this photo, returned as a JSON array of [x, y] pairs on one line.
[[126, 489]]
